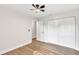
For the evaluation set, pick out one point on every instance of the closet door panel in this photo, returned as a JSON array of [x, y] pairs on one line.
[[52, 32], [45, 31], [66, 32], [40, 31]]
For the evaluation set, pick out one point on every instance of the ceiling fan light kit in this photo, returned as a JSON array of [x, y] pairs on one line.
[[38, 8]]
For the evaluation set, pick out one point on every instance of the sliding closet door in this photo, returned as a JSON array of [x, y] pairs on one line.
[[45, 31], [52, 31], [62, 32], [66, 32], [40, 31]]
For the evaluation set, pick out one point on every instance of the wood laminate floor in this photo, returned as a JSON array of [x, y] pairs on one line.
[[41, 48]]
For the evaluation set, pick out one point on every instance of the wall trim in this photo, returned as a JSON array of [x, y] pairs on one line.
[[10, 49], [56, 44]]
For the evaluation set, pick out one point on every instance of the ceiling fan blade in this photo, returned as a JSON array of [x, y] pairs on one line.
[[42, 10], [32, 9], [37, 5], [33, 5], [43, 6]]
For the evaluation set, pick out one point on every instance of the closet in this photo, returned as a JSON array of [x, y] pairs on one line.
[[58, 31]]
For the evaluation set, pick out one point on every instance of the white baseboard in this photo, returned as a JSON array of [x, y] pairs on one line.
[[33, 36], [40, 40], [57, 44], [10, 49], [77, 49]]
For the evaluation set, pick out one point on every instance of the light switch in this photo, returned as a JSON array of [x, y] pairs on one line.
[[28, 30]]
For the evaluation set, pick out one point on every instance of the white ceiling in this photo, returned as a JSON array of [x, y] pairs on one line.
[[49, 9]]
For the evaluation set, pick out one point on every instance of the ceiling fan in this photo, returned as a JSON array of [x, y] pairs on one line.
[[38, 8]]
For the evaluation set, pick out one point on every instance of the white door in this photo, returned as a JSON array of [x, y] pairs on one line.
[[66, 32], [40, 31], [52, 31], [45, 31], [62, 32]]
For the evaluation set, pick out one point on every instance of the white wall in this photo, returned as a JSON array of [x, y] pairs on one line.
[[14, 29], [67, 14]]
